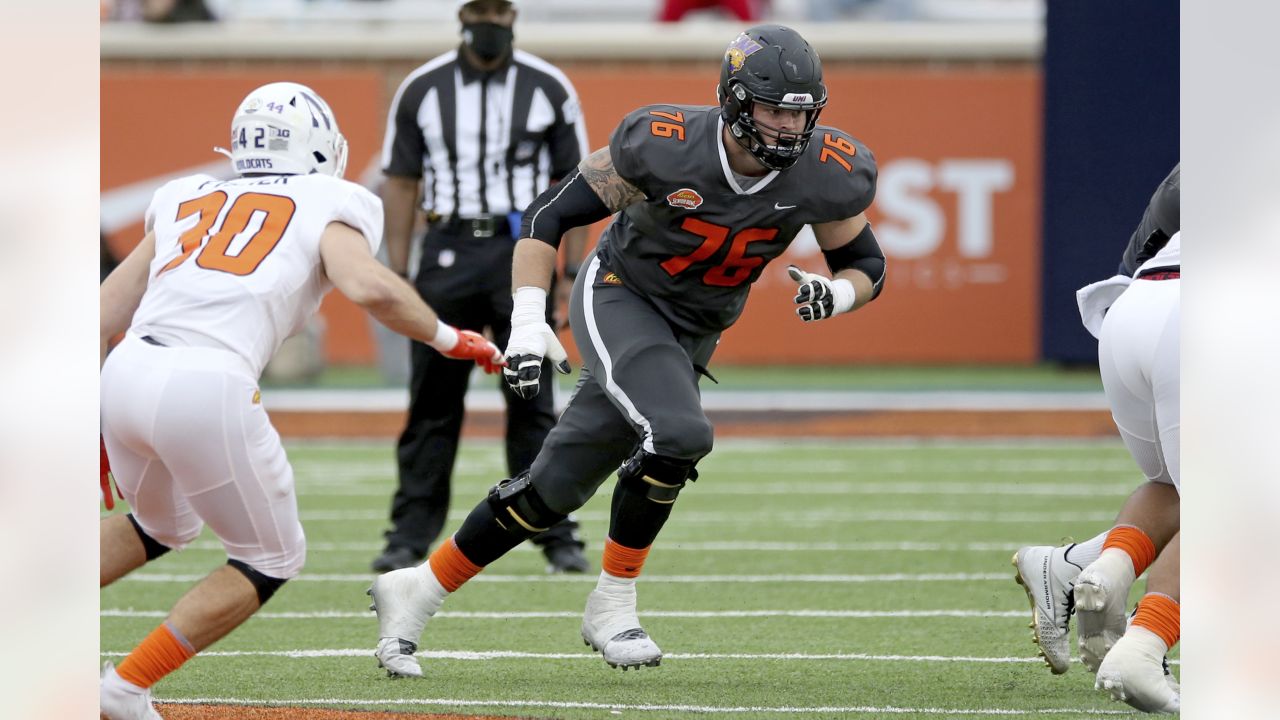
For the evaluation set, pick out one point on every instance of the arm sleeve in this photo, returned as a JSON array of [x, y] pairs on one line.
[[362, 210], [567, 139], [403, 148], [568, 204]]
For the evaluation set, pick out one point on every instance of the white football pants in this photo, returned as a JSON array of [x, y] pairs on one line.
[[1138, 358], [190, 443]]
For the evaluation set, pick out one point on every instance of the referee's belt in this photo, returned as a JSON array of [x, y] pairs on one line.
[[479, 226], [1161, 273]]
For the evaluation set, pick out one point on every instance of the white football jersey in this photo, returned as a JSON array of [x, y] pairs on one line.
[[237, 262]]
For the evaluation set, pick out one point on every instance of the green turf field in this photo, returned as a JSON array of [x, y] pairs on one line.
[[807, 580]]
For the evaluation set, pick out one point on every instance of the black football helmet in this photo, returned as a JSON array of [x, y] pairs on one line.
[[770, 64]]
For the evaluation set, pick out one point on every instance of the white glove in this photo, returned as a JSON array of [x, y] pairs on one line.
[[532, 339], [820, 297]]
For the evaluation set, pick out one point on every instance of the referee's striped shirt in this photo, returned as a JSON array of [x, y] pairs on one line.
[[484, 143]]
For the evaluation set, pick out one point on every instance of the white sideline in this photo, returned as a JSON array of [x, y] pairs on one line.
[[556, 614], [619, 707], [649, 579], [397, 399]]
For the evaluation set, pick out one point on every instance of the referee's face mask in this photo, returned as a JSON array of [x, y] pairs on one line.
[[488, 40]]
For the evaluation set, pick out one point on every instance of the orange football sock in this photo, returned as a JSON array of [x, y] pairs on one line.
[[1159, 613], [1135, 544], [451, 567], [162, 652], [620, 561]]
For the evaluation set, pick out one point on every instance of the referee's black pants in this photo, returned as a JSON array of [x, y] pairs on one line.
[[467, 280]]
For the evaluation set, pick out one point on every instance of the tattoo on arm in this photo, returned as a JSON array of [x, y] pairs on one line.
[[616, 193]]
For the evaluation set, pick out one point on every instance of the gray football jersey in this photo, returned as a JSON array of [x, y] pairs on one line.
[[1160, 221], [698, 240]]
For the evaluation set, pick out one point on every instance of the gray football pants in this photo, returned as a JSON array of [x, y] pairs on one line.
[[638, 389]]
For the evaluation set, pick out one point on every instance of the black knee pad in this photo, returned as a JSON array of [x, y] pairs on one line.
[[517, 506], [658, 477], [153, 547], [264, 584]]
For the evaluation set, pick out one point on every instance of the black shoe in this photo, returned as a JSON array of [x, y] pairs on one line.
[[565, 558], [394, 558]]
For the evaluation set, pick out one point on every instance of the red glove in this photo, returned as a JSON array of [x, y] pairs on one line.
[[106, 476], [474, 346]]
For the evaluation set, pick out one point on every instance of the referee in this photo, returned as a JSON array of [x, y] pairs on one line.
[[476, 133]]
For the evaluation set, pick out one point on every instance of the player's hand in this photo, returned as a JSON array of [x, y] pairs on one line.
[[820, 297], [474, 346], [528, 345], [106, 478]]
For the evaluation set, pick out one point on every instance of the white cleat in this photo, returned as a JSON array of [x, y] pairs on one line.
[[1102, 592], [120, 700], [1048, 577], [611, 627], [404, 601], [1134, 672]]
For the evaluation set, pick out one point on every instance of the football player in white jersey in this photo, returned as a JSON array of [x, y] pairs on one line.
[[227, 270]]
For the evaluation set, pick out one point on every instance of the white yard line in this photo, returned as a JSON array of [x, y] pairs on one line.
[[556, 614], [863, 468], [826, 489], [619, 708], [801, 518], [649, 579], [678, 546], [468, 655]]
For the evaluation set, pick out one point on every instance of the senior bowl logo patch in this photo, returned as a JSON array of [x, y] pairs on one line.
[[686, 198], [611, 279], [739, 49]]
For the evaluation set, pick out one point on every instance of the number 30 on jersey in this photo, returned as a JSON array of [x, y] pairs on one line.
[[277, 212]]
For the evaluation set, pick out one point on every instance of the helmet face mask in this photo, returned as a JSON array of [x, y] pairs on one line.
[[286, 129], [770, 65]]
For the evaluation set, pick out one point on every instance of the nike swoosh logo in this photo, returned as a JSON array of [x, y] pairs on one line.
[[779, 206]]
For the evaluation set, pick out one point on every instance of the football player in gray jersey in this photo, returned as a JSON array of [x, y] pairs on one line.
[[705, 197]]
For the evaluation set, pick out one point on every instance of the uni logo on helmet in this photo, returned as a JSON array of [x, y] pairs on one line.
[[797, 98]]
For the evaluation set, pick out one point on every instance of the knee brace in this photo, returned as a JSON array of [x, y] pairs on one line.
[[659, 478], [518, 508], [265, 585], [153, 547]]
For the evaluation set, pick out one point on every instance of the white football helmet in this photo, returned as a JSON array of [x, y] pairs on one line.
[[286, 129]]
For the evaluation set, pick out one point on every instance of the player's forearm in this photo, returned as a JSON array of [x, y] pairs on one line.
[[533, 264], [397, 305], [399, 203]]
